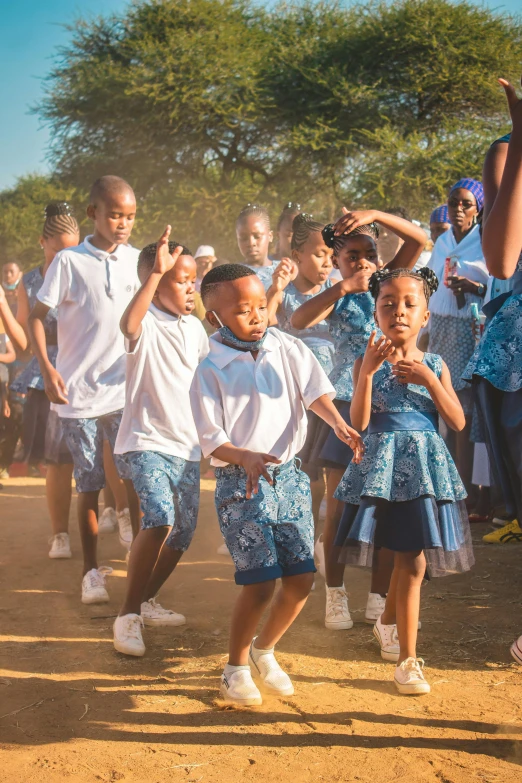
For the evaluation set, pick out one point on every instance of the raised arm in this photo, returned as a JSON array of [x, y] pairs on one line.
[[364, 369], [12, 327], [274, 296], [502, 227]]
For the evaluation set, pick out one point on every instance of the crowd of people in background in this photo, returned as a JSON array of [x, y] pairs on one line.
[[355, 385]]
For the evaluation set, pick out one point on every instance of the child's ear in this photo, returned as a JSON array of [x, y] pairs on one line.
[[270, 237], [295, 256], [426, 318], [334, 262], [213, 321], [91, 211]]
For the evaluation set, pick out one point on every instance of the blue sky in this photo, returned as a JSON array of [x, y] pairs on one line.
[[30, 32]]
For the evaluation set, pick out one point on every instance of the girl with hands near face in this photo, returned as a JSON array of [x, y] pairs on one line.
[[405, 495]]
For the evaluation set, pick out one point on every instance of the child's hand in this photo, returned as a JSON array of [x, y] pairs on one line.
[[357, 283], [351, 437], [255, 466], [283, 274], [6, 410], [415, 372], [164, 260], [352, 220], [375, 354], [514, 104], [55, 387]]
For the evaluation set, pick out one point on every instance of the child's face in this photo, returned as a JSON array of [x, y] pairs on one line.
[[242, 307], [357, 253], [114, 217], [204, 264], [401, 309], [175, 292], [436, 229], [52, 245], [314, 259], [10, 273], [253, 239]]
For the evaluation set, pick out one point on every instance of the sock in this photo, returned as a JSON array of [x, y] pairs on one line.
[[341, 587], [258, 651], [229, 669]]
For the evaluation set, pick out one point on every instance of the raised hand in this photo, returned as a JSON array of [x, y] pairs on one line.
[[55, 387], [352, 438], [255, 466], [514, 104], [352, 220], [358, 282], [407, 371], [283, 274], [164, 261], [376, 353]]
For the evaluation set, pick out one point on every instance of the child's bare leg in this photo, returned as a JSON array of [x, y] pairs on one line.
[[334, 509], [133, 505], [382, 568], [144, 555], [288, 602], [389, 616], [165, 565], [411, 567], [58, 491], [249, 608], [88, 522], [317, 489], [117, 487]]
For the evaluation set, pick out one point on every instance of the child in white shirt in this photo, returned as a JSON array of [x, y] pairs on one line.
[[249, 398], [157, 435]]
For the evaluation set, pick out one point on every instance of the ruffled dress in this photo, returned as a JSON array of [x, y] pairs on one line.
[[406, 494]]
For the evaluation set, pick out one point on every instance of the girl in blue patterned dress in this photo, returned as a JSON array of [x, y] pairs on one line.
[[406, 494], [313, 260], [348, 308], [42, 435]]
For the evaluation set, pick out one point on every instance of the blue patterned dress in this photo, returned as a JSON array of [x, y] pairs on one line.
[[406, 494], [318, 337]]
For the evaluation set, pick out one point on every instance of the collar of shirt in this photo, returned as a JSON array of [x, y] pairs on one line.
[[102, 255], [221, 354], [161, 315]]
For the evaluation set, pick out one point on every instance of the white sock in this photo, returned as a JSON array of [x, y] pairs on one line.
[[258, 651], [229, 669]]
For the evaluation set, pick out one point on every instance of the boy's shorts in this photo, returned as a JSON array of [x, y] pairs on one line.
[[168, 489], [272, 534], [84, 438]]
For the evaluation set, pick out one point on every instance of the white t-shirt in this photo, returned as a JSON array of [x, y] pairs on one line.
[[260, 404], [160, 369], [91, 289]]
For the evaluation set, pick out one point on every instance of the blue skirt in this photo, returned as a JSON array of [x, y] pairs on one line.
[[439, 528]]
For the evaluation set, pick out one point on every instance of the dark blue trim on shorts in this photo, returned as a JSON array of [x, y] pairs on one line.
[[303, 567], [258, 575]]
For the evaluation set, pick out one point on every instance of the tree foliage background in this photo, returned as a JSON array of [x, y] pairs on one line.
[[205, 105]]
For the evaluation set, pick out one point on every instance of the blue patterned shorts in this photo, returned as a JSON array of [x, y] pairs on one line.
[[84, 438], [168, 489], [272, 534]]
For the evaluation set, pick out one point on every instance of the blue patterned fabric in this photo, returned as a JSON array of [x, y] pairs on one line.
[[440, 215], [351, 322], [498, 356], [264, 273], [474, 186], [272, 534], [402, 465], [318, 337], [84, 438], [453, 339], [168, 489], [31, 377]]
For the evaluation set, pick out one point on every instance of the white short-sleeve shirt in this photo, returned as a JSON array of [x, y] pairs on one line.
[[261, 404], [91, 289], [160, 368]]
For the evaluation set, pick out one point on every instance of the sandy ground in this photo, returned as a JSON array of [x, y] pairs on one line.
[[72, 708]]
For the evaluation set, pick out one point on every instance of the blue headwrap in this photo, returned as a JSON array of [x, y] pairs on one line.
[[474, 186], [440, 215]]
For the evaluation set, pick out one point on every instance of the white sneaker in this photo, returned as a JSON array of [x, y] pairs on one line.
[[264, 666], [337, 616], [127, 635], [238, 687], [387, 637], [319, 556], [374, 607], [516, 650], [108, 521], [125, 527], [223, 550], [60, 546], [154, 614], [409, 678], [93, 586]]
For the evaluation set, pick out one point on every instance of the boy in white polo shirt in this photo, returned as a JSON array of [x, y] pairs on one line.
[[249, 399], [91, 285], [164, 345]]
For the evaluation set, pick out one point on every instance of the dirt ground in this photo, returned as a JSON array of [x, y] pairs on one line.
[[72, 708]]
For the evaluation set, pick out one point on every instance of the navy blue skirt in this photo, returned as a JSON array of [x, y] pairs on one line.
[[323, 448]]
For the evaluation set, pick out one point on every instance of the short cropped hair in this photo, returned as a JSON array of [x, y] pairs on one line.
[[219, 275], [148, 256], [108, 185]]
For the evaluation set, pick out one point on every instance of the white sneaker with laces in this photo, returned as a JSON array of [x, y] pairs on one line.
[[337, 616], [124, 527], [409, 678], [154, 614], [60, 547], [223, 550], [93, 586], [127, 635], [108, 521], [238, 687], [264, 667], [388, 640], [374, 607], [319, 556]]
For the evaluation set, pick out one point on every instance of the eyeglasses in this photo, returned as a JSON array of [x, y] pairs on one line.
[[455, 203]]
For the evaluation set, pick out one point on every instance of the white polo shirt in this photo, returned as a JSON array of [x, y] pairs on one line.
[[91, 289], [260, 404], [157, 414]]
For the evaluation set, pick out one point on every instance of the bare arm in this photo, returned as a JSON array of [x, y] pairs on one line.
[[441, 391], [319, 307], [502, 229], [326, 410], [13, 329], [364, 369], [283, 274], [53, 382], [10, 355]]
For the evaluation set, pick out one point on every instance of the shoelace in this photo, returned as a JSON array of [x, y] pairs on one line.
[[132, 627], [413, 666], [337, 605], [158, 607], [60, 538], [96, 577], [124, 522]]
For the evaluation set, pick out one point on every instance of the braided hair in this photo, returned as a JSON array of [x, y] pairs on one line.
[[290, 210], [59, 219], [257, 210], [338, 242], [426, 276], [302, 226]]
